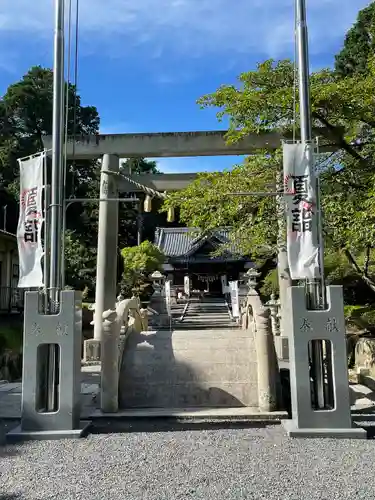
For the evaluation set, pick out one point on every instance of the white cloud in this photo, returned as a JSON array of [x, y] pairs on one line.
[[192, 28]]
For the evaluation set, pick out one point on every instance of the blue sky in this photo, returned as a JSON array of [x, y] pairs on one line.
[[144, 63]]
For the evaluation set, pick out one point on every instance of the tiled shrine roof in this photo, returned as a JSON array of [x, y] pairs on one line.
[[181, 243]]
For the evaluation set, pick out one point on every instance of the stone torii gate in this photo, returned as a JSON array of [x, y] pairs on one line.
[[307, 421], [111, 148]]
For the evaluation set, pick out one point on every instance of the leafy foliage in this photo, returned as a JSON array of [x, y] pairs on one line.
[[359, 45], [139, 262], [80, 262], [270, 285], [360, 317], [209, 203], [266, 100], [263, 100], [25, 117], [129, 217], [140, 166], [264, 103]]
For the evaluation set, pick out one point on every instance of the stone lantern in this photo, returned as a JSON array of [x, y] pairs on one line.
[[158, 301], [251, 277], [274, 306], [158, 280]]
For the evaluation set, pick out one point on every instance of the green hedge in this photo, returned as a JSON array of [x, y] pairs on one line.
[[11, 337], [361, 316]]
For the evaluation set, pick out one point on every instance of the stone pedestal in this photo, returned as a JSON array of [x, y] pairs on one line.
[[305, 326], [91, 351], [61, 418], [158, 303], [365, 354], [267, 362], [109, 369], [282, 348]]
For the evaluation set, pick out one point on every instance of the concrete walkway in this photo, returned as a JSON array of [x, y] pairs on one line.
[[204, 361], [10, 395], [362, 399]]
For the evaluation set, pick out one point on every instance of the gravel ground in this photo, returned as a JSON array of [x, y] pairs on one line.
[[222, 464]]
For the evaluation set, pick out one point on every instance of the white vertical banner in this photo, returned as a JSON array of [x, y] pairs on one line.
[[168, 296], [187, 285], [223, 279], [30, 222], [301, 216], [233, 287]]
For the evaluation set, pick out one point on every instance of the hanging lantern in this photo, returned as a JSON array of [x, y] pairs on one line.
[[147, 206], [170, 214]]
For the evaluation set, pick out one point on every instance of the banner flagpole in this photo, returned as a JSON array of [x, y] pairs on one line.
[[315, 290], [47, 194], [56, 194], [57, 154]]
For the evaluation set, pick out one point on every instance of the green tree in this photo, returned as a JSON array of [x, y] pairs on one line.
[[264, 103], [207, 204], [359, 44], [25, 117], [80, 263], [342, 112], [139, 262], [140, 166], [131, 218]]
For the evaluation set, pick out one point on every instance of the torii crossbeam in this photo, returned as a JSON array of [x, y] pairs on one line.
[[177, 144]]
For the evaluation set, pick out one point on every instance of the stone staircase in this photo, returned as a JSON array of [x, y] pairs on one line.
[[207, 313], [205, 362]]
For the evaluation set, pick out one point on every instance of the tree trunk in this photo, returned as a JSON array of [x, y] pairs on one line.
[[369, 282]]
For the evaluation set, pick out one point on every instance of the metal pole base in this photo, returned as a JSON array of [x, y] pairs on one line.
[[63, 331], [306, 326], [294, 431], [17, 435]]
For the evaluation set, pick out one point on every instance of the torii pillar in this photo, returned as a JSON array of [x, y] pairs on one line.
[[106, 270]]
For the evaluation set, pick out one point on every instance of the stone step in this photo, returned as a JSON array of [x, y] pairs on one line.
[[200, 394], [199, 326], [230, 357], [224, 333], [204, 362], [180, 372], [187, 343], [242, 413]]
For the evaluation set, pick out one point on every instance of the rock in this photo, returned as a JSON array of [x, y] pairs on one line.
[[365, 353], [10, 365]]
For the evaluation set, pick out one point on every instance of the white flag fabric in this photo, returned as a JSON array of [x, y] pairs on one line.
[[233, 286], [168, 296], [302, 240], [30, 222], [224, 287], [187, 285]]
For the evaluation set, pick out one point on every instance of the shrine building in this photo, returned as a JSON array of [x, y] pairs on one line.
[[189, 253]]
